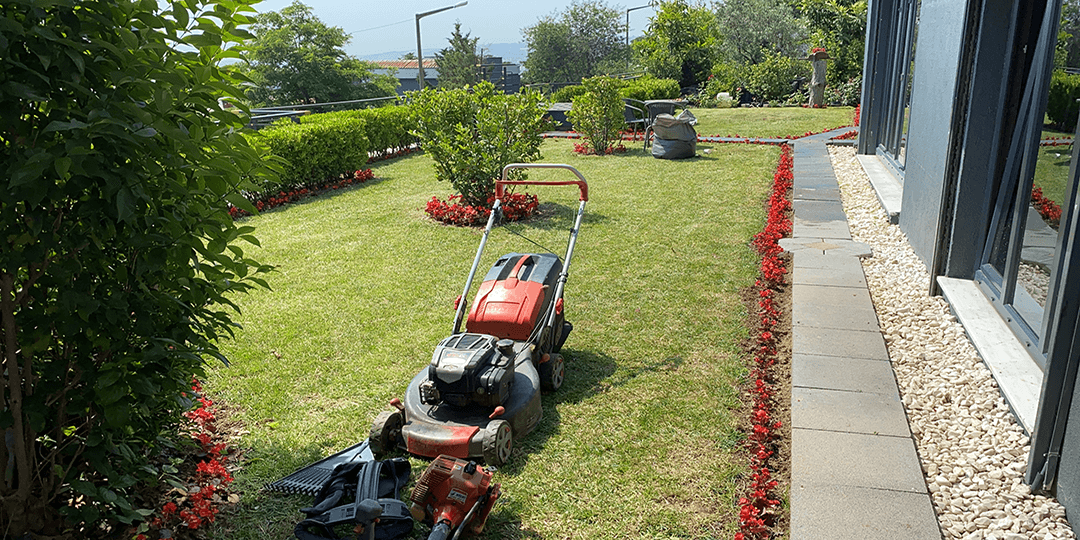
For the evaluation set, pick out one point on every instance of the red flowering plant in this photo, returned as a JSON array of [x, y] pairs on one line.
[[195, 500], [758, 508], [266, 201], [1048, 209], [454, 211]]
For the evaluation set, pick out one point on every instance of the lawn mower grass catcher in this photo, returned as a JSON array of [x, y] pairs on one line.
[[482, 388]]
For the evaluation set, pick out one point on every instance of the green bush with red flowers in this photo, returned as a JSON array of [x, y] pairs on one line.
[[471, 133]]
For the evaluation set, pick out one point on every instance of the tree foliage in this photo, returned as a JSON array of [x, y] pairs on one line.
[[1067, 52], [583, 41], [296, 58], [118, 252], [755, 29], [682, 42], [472, 133], [840, 27], [458, 62]]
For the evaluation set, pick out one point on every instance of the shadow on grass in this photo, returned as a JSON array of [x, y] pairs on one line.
[[552, 216], [588, 373]]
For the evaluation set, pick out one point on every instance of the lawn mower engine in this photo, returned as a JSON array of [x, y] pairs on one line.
[[470, 369], [453, 495]]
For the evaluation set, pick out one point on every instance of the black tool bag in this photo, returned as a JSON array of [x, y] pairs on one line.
[[349, 492]]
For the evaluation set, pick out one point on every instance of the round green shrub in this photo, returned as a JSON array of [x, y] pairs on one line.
[[1061, 105]]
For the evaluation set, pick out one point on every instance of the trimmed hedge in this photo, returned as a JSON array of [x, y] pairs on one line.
[[316, 150], [649, 87], [1061, 105], [567, 94], [387, 128]]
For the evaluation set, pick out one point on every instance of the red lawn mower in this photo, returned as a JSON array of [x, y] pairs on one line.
[[482, 388]]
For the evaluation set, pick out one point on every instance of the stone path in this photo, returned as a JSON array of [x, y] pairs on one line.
[[855, 472]]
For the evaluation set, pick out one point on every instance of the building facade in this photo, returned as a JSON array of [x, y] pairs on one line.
[[953, 120]]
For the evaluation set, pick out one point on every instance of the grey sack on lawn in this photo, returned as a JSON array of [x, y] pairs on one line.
[[674, 137]]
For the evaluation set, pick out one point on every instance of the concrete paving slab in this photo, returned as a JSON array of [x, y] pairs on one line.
[[834, 317], [850, 412], [816, 194], [855, 459], [820, 211], [847, 272], [1015, 371], [825, 229], [815, 181], [873, 376], [820, 252], [889, 190], [824, 295], [845, 343], [856, 513]]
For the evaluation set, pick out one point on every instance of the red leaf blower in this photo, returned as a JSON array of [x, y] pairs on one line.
[[452, 495]]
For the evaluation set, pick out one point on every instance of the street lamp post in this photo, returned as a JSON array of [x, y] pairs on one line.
[[628, 20], [419, 51]]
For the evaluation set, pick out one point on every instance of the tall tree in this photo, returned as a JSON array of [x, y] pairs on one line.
[[755, 29], [458, 62], [294, 58], [840, 27], [583, 41], [682, 42]]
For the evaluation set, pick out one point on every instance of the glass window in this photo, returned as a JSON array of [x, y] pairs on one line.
[[893, 144], [1019, 270]]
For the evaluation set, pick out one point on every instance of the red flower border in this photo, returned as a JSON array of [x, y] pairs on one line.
[[759, 507], [282, 198], [516, 206], [1048, 209]]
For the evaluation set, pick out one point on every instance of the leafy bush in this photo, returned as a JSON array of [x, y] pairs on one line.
[[333, 144], [117, 253], [1061, 105], [598, 114], [649, 87], [472, 133], [723, 79], [567, 94], [847, 94], [771, 80]]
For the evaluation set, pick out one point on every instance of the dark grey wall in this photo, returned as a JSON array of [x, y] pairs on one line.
[[937, 57]]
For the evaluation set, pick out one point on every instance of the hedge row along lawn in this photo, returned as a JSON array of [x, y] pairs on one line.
[[642, 440]]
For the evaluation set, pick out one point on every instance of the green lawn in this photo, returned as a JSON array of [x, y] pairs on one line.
[[1052, 166], [770, 121], [642, 440], [1052, 171]]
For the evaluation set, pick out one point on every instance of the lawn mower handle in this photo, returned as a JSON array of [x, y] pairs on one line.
[[582, 185]]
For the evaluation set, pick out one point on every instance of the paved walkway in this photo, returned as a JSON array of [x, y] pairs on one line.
[[854, 472]]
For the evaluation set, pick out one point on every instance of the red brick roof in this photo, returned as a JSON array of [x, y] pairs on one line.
[[404, 64]]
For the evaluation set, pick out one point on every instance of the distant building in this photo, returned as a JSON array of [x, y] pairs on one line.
[[407, 73], [505, 76]]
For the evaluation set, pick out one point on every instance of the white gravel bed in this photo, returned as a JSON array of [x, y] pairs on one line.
[[973, 452]]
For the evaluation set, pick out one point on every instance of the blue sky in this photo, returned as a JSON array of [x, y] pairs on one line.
[[385, 26]]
